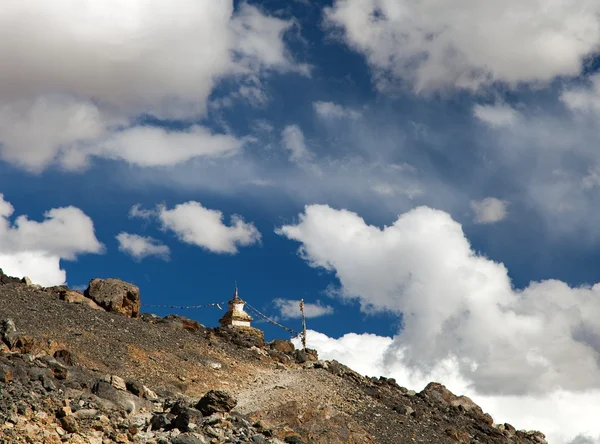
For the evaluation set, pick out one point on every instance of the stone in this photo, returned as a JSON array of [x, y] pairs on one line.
[[26, 281], [116, 296], [189, 438], [259, 439], [123, 399], [300, 356], [69, 423], [86, 414], [160, 421], [294, 439], [8, 332], [75, 297], [65, 357], [141, 420], [216, 401], [6, 374], [118, 383], [283, 346], [149, 394], [135, 387], [187, 417], [440, 393]]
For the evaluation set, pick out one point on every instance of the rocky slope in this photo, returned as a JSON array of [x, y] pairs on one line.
[[88, 368]]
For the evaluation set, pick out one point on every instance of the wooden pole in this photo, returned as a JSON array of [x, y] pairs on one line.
[[303, 324]]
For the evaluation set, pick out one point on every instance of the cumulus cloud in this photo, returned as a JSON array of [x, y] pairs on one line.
[[140, 247], [290, 309], [467, 44], [489, 210], [330, 110], [462, 320], [82, 72], [35, 249], [496, 115], [203, 227], [293, 141], [583, 98]]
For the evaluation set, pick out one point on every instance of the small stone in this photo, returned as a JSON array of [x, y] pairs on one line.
[[6, 374], [149, 394], [69, 423], [118, 383], [86, 413]]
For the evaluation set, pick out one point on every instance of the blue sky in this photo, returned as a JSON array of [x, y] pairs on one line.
[[425, 176]]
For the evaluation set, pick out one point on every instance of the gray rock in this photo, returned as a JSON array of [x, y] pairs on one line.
[[189, 438], [122, 399]]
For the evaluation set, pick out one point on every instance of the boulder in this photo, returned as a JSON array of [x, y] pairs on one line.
[[216, 401], [8, 332], [283, 346], [440, 393], [129, 402], [75, 297], [116, 296]]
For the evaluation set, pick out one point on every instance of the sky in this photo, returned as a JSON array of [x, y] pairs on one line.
[[425, 175]]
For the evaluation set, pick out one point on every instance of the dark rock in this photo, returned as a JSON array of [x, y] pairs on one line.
[[186, 417], [216, 401], [242, 336], [294, 439], [300, 356], [178, 406], [136, 388], [160, 421], [116, 296]]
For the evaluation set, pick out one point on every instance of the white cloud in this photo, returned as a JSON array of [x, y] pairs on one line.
[[330, 110], [34, 249], [469, 43], [463, 322], [583, 98], [163, 147], [489, 210], [203, 227], [293, 141], [290, 309], [116, 61], [140, 247], [498, 115]]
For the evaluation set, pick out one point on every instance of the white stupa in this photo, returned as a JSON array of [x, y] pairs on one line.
[[236, 316]]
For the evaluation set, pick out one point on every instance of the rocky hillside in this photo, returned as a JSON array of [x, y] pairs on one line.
[[89, 368]]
